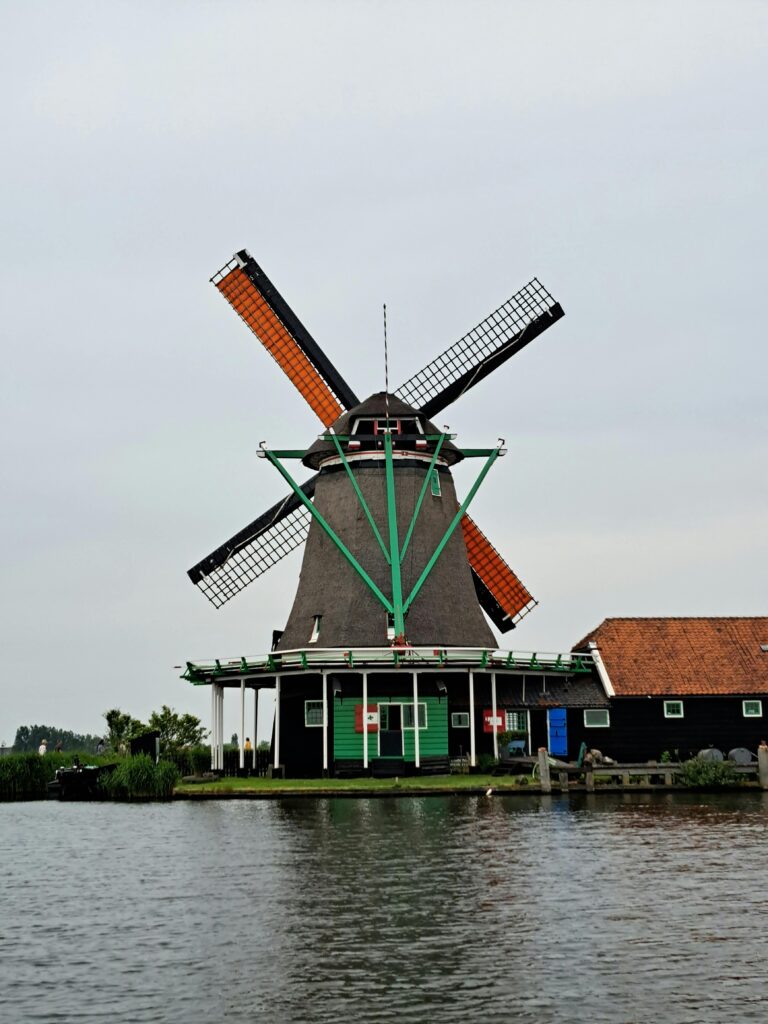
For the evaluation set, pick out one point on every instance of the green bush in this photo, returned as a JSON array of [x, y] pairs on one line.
[[485, 762], [139, 778], [699, 773], [26, 776], [23, 775]]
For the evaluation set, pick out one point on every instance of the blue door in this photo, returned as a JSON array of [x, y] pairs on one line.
[[557, 732]]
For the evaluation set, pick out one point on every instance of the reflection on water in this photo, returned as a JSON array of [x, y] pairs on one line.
[[628, 909]]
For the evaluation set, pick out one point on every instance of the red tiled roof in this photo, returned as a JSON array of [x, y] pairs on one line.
[[680, 657]]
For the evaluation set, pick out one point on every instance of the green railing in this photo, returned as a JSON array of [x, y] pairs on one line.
[[361, 658]]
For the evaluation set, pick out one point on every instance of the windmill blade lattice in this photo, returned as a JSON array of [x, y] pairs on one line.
[[511, 327], [260, 305], [499, 590], [254, 549]]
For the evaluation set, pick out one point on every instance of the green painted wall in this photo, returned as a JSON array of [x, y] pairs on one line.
[[349, 744]]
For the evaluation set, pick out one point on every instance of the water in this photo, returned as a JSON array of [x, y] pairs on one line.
[[625, 910]]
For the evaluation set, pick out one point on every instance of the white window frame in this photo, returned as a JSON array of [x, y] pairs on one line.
[[464, 716], [518, 716], [403, 711], [671, 714], [749, 714], [597, 725], [314, 636], [313, 725]]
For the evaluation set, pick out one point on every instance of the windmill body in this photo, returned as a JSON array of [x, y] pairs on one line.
[[387, 662], [333, 606]]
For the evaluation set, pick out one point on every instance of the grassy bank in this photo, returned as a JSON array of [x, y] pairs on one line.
[[415, 784]]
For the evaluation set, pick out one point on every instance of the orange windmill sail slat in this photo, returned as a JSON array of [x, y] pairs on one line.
[[258, 303], [495, 576]]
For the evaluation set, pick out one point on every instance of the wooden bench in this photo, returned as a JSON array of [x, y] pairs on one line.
[[435, 764], [349, 768], [388, 767]]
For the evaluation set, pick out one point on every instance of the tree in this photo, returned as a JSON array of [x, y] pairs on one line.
[[176, 731], [122, 728], [28, 738]]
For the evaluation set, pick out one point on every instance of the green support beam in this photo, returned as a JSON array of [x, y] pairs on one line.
[[388, 605], [424, 487], [361, 499], [398, 611], [495, 452]]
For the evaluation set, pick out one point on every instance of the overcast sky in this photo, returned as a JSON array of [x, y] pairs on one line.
[[431, 155]]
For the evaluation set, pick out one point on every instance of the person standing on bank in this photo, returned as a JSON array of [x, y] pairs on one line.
[[248, 743], [43, 748]]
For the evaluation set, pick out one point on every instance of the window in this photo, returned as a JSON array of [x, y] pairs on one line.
[[408, 716], [460, 720], [313, 713], [396, 426], [435, 484], [752, 708], [516, 721], [390, 626], [596, 718], [313, 636], [673, 709]]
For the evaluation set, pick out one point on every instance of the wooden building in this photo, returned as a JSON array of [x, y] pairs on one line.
[[353, 711], [680, 684]]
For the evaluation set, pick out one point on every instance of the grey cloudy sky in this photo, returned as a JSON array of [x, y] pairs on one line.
[[431, 155]]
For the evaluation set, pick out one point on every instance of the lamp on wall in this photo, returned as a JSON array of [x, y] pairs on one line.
[[764, 648], [442, 690]]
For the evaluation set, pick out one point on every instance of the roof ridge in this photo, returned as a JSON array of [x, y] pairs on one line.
[[682, 618]]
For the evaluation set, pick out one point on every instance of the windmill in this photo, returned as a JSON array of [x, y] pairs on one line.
[[406, 571]]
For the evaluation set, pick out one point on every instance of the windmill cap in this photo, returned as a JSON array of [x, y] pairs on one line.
[[375, 408]]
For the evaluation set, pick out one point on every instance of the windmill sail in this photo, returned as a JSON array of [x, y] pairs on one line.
[[254, 549], [500, 593], [260, 305], [511, 327]]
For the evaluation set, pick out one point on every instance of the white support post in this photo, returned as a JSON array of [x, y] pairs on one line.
[[221, 728], [472, 758], [325, 722], [241, 737], [255, 723], [215, 734], [365, 720], [277, 722], [213, 726], [493, 715], [416, 752], [215, 737]]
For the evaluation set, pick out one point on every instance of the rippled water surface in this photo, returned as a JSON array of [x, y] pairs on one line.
[[432, 909]]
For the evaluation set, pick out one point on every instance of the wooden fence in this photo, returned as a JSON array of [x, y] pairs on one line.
[[649, 776]]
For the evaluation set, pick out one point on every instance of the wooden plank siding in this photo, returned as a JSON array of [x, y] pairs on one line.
[[348, 744], [640, 731]]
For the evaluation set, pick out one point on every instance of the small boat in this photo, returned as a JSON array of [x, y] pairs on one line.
[[80, 782]]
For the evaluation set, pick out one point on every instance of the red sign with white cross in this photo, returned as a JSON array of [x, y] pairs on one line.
[[488, 720]]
